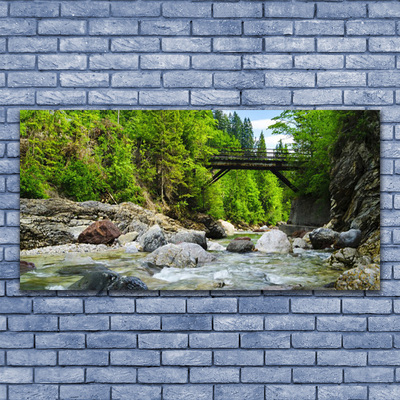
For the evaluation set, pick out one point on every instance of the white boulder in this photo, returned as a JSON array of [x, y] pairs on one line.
[[228, 227], [273, 241]]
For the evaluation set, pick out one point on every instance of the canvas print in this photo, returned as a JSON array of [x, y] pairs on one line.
[[139, 200]]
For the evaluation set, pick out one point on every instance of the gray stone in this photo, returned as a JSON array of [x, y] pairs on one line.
[[240, 246], [127, 238], [197, 252], [322, 238], [170, 255], [351, 238], [273, 241], [189, 236], [153, 239]]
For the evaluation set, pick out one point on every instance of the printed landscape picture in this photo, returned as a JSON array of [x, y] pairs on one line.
[[200, 200]]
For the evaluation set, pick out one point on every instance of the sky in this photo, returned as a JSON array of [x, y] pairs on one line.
[[261, 120]]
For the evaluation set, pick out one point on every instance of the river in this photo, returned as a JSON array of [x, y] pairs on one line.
[[231, 271]]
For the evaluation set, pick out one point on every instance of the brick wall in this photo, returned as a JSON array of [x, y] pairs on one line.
[[199, 345]]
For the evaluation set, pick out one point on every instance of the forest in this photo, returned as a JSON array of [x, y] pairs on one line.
[[158, 159]]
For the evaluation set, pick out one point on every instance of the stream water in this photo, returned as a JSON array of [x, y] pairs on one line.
[[231, 271]]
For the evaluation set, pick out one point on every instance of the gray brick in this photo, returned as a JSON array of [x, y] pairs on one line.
[[319, 340], [59, 375], [382, 392], [163, 340], [344, 11], [61, 61], [317, 97], [109, 305], [109, 96], [382, 79], [288, 44], [162, 375], [344, 392], [288, 10], [87, 45], [85, 9], [384, 357], [212, 305], [258, 96], [341, 323], [238, 10], [111, 375], [186, 357], [9, 201], [386, 323], [238, 357], [32, 391], [178, 98], [366, 306], [16, 340], [290, 357], [31, 357], [98, 392], [16, 375], [61, 340], [325, 306], [187, 323], [135, 322], [32, 323], [15, 305], [138, 9], [111, 26], [214, 340], [61, 27], [384, 10], [214, 375], [217, 28], [62, 97], [235, 392], [365, 27], [140, 44], [290, 392], [187, 79], [2, 84], [138, 392], [216, 62], [165, 27], [367, 341], [261, 340], [387, 44], [211, 97], [368, 374], [341, 45], [342, 358], [239, 80], [32, 79], [241, 323], [289, 322], [111, 340], [368, 97], [194, 45], [264, 305], [181, 9], [264, 375], [237, 45], [83, 79], [316, 27], [13, 61], [36, 9], [113, 61], [135, 357], [57, 306], [13, 151], [19, 26], [84, 322], [179, 392], [319, 61], [32, 45], [289, 79], [164, 61], [268, 28], [386, 237], [3, 9], [370, 61], [83, 357], [314, 375], [342, 78]]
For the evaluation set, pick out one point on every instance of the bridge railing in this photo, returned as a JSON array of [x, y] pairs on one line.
[[271, 154]]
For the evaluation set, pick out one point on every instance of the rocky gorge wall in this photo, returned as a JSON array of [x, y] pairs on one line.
[[209, 344]]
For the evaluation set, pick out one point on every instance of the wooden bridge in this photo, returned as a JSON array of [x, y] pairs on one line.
[[253, 159]]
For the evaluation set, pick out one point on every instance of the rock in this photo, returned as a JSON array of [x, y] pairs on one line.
[[77, 259], [170, 255], [364, 277], [189, 236], [274, 241], [323, 238], [213, 229], [240, 246], [107, 280], [212, 246], [344, 258], [153, 239], [299, 243], [351, 238], [132, 247], [127, 238], [26, 266], [371, 247], [197, 252], [228, 227], [101, 232]]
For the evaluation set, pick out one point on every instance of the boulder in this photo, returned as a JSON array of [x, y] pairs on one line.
[[153, 239], [228, 227], [363, 277], [100, 232], [213, 246], [189, 236], [274, 241], [214, 229], [321, 238], [127, 238], [299, 243], [347, 258], [197, 252], [25, 266], [132, 247], [170, 255], [351, 238], [240, 246]]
